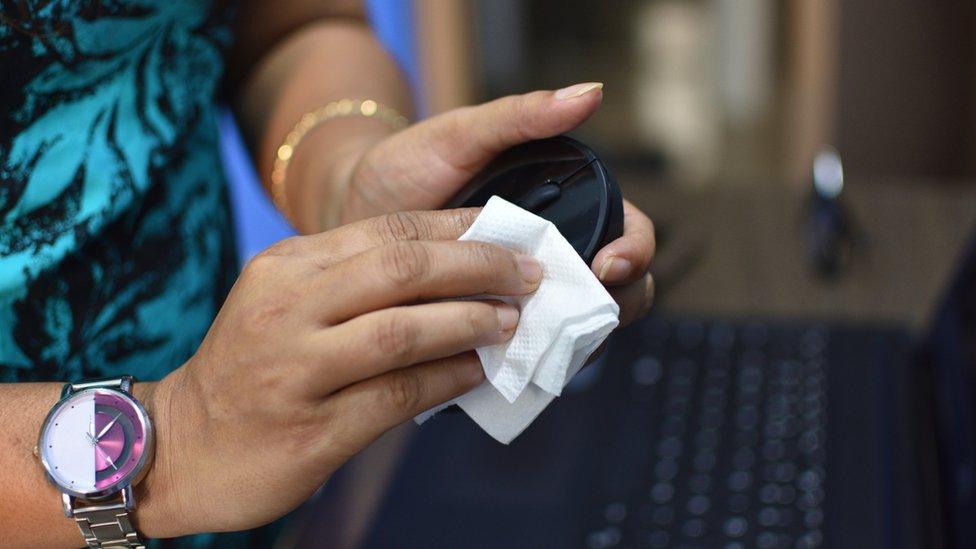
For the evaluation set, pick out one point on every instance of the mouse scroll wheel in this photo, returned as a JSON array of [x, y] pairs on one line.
[[539, 198]]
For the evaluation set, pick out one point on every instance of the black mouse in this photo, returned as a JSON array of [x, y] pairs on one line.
[[558, 179]]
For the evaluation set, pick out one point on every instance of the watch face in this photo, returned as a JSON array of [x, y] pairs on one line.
[[95, 442]]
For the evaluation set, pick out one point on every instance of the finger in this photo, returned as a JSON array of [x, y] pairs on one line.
[[468, 138], [434, 157], [635, 299], [365, 410], [406, 272], [627, 258], [328, 248], [378, 342]]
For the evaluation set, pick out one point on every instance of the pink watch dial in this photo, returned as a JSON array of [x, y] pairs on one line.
[[95, 442]]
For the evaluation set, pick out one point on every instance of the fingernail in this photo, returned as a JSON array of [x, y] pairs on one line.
[[578, 90], [508, 317], [614, 269], [529, 268], [648, 294]]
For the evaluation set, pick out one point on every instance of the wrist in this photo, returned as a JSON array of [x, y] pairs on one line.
[[322, 171], [158, 513]]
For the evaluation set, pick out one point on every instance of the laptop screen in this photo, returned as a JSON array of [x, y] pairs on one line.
[[950, 352]]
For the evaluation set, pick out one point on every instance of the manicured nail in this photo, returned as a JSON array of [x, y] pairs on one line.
[[578, 90], [648, 299], [614, 269], [508, 317], [529, 268]]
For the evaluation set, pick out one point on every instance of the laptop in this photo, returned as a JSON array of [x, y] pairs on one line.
[[732, 433]]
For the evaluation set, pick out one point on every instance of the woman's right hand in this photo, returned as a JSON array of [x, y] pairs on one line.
[[324, 343]]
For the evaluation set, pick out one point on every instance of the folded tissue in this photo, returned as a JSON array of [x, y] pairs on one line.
[[561, 324]]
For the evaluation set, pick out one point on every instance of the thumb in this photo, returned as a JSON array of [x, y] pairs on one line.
[[468, 138], [431, 160]]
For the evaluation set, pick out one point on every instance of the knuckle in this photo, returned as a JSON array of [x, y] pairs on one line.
[[489, 256], [490, 265], [404, 390], [261, 265], [460, 219], [406, 263], [396, 336], [401, 226], [293, 245]]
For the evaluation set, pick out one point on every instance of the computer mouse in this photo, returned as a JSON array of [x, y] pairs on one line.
[[558, 179]]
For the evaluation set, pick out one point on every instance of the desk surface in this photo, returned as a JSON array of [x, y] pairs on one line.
[[752, 263]]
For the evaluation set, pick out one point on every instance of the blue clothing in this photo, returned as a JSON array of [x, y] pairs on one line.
[[115, 239], [116, 248]]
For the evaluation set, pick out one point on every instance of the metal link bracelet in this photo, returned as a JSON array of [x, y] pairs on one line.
[[337, 109], [108, 526]]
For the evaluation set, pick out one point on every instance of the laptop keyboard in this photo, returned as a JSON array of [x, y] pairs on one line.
[[729, 422]]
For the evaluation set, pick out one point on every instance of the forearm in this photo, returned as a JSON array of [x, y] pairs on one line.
[[313, 66], [30, 509]]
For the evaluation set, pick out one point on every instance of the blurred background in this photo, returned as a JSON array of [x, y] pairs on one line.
[[725, 92], [714, 113]]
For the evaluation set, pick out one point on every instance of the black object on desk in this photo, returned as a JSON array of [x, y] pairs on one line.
[[721, 434], [698, 434], [713, 433], [558, 179], [830, 235]]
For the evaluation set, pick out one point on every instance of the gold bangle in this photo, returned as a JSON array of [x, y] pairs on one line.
[[336, 109]]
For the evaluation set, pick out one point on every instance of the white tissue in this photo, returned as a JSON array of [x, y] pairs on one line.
[[560, 325]]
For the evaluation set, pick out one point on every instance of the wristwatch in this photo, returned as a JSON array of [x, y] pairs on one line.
[[95, 445]]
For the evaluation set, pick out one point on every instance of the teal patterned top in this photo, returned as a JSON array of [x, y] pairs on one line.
[[115, 238]]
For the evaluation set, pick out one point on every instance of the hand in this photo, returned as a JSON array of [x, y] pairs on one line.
[[624, 265], [324, 343], [423, 166]]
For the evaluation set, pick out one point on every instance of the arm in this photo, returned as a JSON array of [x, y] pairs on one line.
[[360, 167], [289, 384], [304, 57], [30, 509]]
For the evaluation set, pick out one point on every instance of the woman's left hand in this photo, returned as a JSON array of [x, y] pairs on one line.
[[424, 165]]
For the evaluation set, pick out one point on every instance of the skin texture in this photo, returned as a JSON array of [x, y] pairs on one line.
[[326, 340], [420, 167], [299, 371]]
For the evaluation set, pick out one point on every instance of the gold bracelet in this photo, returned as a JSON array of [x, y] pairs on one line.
[[336, 109]]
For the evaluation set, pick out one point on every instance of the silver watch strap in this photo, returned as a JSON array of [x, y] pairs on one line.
[[122, 383], [107, 526]]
